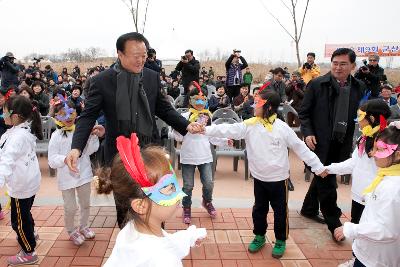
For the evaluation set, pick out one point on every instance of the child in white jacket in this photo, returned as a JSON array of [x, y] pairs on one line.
[[377, 235], [72, 184], [149, 190], [19, 171], [372, 119], [267, 140], [196, 152]]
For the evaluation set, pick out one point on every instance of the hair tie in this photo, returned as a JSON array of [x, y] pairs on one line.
[[382, 123]]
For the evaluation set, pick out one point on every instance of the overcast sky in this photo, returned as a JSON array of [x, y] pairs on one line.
[[51, 26]]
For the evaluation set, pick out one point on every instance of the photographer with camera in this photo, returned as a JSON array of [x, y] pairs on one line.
[[309, 70], [371, 74], [234, 66], [190, 68], [76, 72], [152, 62], [9, 71]]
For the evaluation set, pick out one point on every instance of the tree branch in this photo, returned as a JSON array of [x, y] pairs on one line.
[[283, 2], [304, 17], [145, 16], [137, 15], [278, 21]]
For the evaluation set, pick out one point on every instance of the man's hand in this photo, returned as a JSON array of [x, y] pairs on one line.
[[195, 128], [72, 160], [338, 233], [324, 173], [311, 141], [98, 130]]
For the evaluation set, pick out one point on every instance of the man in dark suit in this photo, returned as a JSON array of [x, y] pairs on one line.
[[327, 122], [130, 97], [386, 95]]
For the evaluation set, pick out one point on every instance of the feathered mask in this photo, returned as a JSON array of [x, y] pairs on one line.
[[166, 192], [66, 113]]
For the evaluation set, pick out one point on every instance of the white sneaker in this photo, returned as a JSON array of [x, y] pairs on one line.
[[77, 238], [349, 263]]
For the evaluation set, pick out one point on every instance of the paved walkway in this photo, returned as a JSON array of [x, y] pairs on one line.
[[309, 243]]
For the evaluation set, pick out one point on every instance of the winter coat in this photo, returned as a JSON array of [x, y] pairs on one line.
[[295, 91], [316, 114], [190, 72], [214, 102], [9, 73], [233, 70], [43, 102]]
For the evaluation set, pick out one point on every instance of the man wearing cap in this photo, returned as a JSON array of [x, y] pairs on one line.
[[9, 71], [372, 75]]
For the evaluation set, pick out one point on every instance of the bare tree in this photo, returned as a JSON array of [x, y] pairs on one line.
[[135, 9], [297, 33]]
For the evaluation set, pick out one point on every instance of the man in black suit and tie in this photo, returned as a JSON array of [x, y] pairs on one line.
[[130, 97]]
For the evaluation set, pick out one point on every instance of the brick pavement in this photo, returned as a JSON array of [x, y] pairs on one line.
[[309, 243]]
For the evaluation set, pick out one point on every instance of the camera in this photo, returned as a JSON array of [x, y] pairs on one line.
[[37, 60], [365, 66], [307, 66]]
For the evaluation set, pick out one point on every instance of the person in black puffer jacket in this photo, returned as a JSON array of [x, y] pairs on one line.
[[41, 97], [9, 71]]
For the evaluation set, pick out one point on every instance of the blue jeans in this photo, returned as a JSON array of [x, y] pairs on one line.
[[188, 182]]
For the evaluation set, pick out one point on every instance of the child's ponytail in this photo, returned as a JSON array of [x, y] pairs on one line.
[[36, 125]]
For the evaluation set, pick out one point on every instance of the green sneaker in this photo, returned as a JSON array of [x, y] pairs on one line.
[[279, 249], [257, 243]]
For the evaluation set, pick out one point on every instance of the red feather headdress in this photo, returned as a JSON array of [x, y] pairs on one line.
[[129, 151]]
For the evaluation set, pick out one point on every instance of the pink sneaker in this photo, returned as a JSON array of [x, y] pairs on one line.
[[187, 215], [87, 233], [210, 209], [2, 215], [77, 238], [23, 258]]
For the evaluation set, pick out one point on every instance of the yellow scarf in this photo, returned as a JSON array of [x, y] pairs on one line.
[[369, 131], [393, 170], [196, 113], [63, 127], [8, 204], [267, 123]]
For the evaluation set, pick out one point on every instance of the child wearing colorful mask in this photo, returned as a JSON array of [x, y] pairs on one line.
[[377, 235], [72, 185], [20, 172], [267, 142], [372, 119], [196, 152], [147, 182]]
